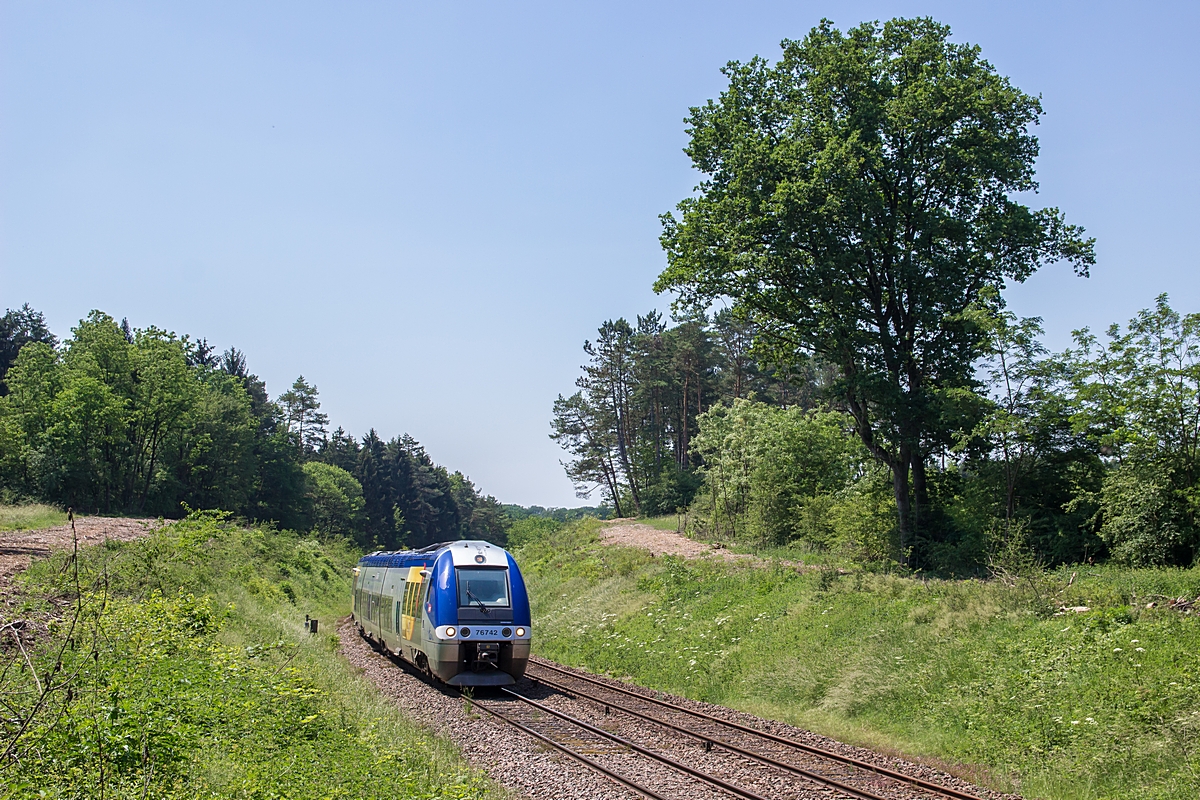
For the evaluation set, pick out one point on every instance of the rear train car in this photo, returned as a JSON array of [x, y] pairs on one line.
[[458, 611]]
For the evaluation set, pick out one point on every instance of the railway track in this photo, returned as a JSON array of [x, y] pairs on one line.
[[663, 751], [847, 775], [636, 784]]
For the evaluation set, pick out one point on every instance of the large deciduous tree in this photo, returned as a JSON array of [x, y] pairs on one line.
[[858, 205]]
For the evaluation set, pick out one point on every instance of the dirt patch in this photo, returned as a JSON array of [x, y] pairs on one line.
[[630, 533], [19, 548]]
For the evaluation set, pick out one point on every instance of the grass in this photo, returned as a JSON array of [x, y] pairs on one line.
[[986, 677], [668, 522], [30, 517], [190, 676]]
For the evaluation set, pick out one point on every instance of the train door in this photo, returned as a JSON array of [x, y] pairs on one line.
[[424, 609], [410, 618]]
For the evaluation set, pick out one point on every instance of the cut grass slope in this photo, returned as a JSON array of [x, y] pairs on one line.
[[188, 674], [982, 675]]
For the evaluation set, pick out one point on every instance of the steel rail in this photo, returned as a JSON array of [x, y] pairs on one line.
[[816, 777], [948, 791], [408, 667], [580, 757], [637, 748]]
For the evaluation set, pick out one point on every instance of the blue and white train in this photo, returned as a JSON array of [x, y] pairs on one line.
[[457, 611]]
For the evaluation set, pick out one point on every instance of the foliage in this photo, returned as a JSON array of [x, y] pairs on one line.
[[301, 410], [1138, 399], [187, 676], [531, 529], [516, 512], [19, 327], [988, 677], [409, 500], [336, 498], [771, 473], [630, 428], [113, 423], [857, 204]]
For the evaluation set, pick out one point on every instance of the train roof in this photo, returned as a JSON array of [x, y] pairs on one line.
[[463, 552]]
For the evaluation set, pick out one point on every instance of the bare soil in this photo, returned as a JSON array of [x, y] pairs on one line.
[[19, 548], [631, 533]]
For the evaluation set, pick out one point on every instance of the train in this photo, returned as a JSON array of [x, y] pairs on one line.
[[457, 611]]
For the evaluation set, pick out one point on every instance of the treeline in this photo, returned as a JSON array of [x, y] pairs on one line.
[[141, 421], [1091, 453], [631, 425]]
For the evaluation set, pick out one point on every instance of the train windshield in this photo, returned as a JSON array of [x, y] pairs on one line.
[[482, 586]]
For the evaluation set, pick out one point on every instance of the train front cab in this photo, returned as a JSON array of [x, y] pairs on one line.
[[480, 611]]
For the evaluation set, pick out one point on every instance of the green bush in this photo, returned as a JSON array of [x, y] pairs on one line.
[[769, 472], [1144, 523], [530, 529], [336, 498]]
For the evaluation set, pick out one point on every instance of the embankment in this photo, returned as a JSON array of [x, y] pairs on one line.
[[994, 680]]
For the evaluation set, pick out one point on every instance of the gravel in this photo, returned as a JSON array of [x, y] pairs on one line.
[[516, 761], [530, 768], [876, 784]]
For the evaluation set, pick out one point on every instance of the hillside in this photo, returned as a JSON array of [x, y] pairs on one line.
[[1079, 684], [176, 665]]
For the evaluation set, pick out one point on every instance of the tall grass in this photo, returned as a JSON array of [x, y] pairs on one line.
[[667, 522], [187, 673], [30, 517], [988, 677]]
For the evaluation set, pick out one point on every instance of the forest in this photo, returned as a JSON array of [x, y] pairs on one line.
[[842, 373], [115, 419]]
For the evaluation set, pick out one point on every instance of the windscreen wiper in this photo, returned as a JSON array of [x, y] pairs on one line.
[[471, 596]]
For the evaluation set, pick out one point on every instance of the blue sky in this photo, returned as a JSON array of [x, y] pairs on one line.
[[425, 209]]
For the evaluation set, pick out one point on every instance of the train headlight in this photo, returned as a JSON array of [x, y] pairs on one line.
[[465, 632], [450, 631], [520, 632]]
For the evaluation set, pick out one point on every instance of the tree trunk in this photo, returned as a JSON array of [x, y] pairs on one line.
[[903, 505], [683, 442], [920, 504]]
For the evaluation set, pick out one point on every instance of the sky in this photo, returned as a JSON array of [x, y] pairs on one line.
[[425, 209]]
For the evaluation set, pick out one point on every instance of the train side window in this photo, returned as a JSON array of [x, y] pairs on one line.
[[397, 616], [408, 598]]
